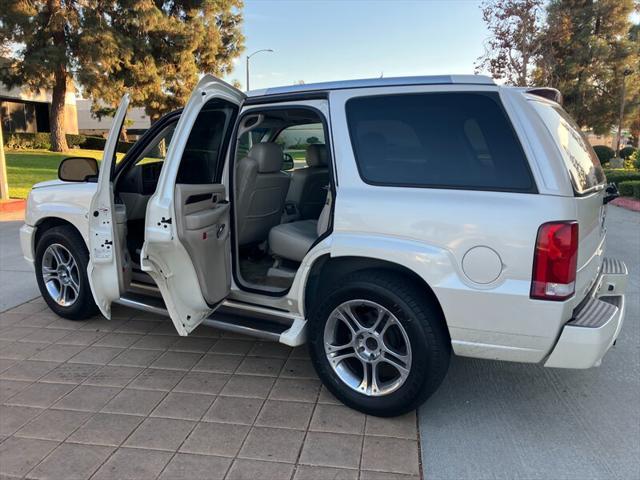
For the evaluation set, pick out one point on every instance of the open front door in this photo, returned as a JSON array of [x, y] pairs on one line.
[[187, 248], [105, 262]]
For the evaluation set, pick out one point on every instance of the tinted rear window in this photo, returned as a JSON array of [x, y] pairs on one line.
[[578, 155], [448, 140]]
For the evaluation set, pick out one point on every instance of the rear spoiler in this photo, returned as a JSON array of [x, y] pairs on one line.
[[546, 92]]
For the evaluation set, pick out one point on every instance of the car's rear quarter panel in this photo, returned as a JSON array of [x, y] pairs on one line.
[[434, 229]]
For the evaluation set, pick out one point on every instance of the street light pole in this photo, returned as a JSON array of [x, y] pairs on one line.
[[248, 57], [625, 74]]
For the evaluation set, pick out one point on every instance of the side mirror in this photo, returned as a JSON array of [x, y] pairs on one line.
[[78, 169], [287, 161]]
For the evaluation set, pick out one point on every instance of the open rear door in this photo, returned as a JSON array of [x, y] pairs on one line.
[[105, 262], [187, 248]]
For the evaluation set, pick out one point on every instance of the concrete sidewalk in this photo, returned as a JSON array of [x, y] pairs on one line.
[[17, 281]]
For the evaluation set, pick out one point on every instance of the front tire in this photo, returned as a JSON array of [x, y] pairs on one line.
[[61, 270], [379, 343]]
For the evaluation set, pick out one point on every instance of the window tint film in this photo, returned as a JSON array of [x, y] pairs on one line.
[[578, 155], [205, 147], [454, 140]]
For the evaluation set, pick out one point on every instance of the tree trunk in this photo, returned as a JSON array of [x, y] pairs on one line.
[[57, 116]]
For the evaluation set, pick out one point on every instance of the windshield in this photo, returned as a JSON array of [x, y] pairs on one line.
[[578, 155]]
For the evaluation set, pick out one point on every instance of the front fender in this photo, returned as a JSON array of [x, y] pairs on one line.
[[69, 202]]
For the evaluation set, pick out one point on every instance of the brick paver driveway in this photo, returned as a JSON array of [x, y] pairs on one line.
[[129, 398]]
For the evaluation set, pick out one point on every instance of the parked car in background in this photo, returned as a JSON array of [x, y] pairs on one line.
[[433, 215]]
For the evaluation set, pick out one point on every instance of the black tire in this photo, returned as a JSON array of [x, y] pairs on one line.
[[423, 323], [84, 306]]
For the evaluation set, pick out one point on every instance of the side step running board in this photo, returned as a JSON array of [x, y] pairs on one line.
[[223, 319]]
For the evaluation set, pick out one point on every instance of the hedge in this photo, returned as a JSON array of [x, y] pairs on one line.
[[604, 153], [618, 176], [630, 189], [626, 152], [42, 141]]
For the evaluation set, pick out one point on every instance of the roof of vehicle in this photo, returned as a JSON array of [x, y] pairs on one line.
[[375, 82]]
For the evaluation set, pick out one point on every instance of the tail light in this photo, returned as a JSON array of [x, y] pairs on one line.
[[555, 261]]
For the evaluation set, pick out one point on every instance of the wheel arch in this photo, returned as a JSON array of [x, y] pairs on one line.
[[47, 223], [327, 270]]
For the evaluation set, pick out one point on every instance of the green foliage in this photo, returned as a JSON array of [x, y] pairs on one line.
[[626, 152], [635, 159], [618, 176], [312, 140], [514, 41], [98, 143], [586, 49], [604, 153], [630, 189], [156, 51], [22, 141], [42, 141]]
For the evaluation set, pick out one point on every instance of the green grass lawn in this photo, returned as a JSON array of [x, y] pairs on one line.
[[27, 167]]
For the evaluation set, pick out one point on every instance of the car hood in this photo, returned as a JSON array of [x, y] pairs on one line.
[[50, 183]]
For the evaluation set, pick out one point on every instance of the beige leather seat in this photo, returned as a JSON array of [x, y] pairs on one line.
[[308, 185], [293, 240], [261, 190]]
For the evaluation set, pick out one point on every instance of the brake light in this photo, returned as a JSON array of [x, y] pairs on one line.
[[555, 261]]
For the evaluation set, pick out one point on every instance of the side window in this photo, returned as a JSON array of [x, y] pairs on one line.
[[447, 140], [156, 151], [296, 139], [580, 160], [206, 143]]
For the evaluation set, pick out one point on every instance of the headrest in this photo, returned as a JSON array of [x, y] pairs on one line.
[[316, 155], [268, 156]]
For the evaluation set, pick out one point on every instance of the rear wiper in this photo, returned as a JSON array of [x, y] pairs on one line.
[[611, 193]]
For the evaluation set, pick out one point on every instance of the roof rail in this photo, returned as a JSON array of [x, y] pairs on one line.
[[549, 93], [376, 82]]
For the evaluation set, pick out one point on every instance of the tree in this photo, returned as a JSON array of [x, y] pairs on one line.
[[155, 50], [512, 48], [44, 34], [587, 47]]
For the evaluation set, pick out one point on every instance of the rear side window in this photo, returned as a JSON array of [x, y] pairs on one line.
[[578, 155], [447, 140], [207, 142]]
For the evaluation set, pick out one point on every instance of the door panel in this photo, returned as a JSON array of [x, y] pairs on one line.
[[202, 222], [105, 269], [182, 251]]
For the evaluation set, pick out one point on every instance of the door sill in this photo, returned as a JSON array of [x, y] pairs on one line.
[[233, 317]]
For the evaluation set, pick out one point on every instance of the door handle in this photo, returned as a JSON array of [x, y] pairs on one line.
[[220, 230]]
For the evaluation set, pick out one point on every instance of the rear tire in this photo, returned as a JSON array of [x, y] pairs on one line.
[[61, 271], [410, 346]]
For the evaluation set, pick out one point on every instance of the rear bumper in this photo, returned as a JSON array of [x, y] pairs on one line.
[[596, 324]]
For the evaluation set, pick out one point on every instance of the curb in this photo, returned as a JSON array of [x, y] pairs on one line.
[[12, 205], [627, 203]]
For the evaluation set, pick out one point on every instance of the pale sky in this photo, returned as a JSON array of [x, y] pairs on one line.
[[322, 40]]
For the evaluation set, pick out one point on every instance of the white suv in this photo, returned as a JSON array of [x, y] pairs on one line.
[[433, 214]]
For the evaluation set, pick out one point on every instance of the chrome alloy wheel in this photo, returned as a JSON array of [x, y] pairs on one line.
[[61, 275], [367, 347]]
